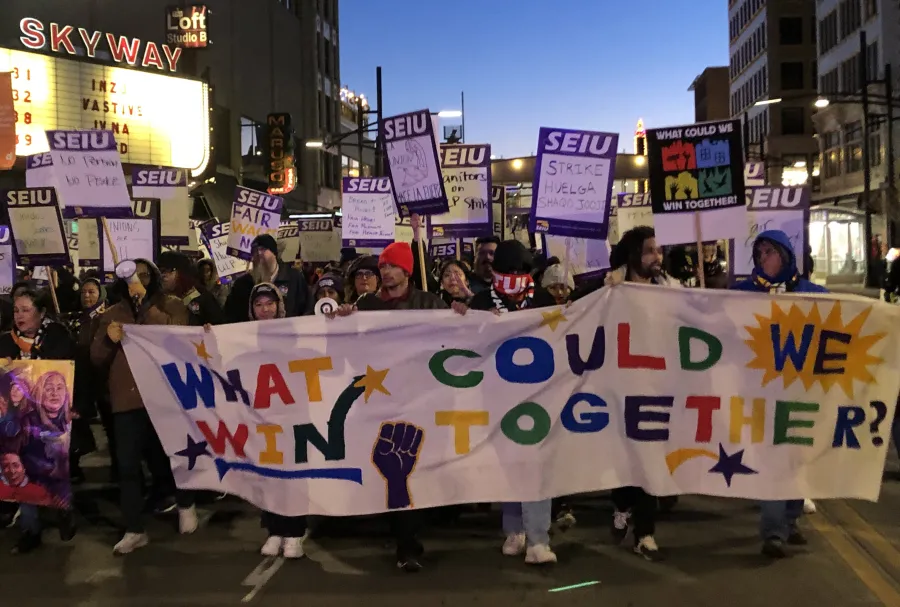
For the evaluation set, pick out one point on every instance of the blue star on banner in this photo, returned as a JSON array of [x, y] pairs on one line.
[[193, 451], [729, 465]]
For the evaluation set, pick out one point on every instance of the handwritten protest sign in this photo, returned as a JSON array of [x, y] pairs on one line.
[[676, 392], [216, 237], [7, 261], [252, 214], [633, 210], [368, 213], [36, 224], [289, 241], [88, 242], [132, 237], [466, 170], [772, 208], [697, 169], [412, 163], [39, 174], [35, 405], [498, 210], [87, 173], [319, 241], [572, 184], [170, 186], [588, 258]]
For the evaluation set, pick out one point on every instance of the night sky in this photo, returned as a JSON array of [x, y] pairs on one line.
[[523, 64]]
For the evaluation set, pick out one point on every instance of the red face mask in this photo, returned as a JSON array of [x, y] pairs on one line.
[[512, 284]]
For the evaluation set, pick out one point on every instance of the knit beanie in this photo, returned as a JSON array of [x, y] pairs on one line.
[[555, 275], [266, 241], [397, 254], [330, 280], [511, 257]]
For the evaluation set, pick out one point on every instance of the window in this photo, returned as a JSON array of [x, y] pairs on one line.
[[872, 62], [791, 75], [790, 30], [828, 32], [851, 17], [853, 147], [792, 121], [870, 9], [252, 134], [831, 154], [850, 75], [829, 82]]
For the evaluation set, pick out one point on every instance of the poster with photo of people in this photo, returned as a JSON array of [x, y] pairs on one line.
[[35, 425]]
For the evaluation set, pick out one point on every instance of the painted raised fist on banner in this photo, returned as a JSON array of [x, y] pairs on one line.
[[395, 454], [678, 156]]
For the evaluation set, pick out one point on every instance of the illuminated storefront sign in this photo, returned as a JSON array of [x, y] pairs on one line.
[[187, 27], [280, 148], [63, 39], [157, 119]]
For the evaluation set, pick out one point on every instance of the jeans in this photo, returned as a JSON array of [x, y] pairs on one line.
[[136, 439], [530, 518], [284, 526], [778, 518], [642, 506], [30, 519]]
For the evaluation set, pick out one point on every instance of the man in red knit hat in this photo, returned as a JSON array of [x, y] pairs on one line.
[[398, 293]]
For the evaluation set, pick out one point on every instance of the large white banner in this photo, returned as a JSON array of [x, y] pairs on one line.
[[678, 391]]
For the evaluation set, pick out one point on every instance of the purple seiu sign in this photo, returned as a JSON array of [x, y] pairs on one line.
[[253, 213], [87, 173], [573, 178], [466, 171], [168, 185], [412, 164], [36, 226], [368, 216], [315, 225]]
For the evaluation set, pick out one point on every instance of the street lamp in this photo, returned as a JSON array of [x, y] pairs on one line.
[[768, 101], [449, 114], [821, 102], [315, 143]]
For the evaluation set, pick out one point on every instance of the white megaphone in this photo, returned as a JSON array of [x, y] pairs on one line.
[[127, 271]]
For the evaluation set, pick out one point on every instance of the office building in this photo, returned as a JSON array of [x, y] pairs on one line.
[[712, 94], [773, 80], [838, 224]]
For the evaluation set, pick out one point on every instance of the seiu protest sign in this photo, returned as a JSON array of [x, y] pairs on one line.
[[717, 393]]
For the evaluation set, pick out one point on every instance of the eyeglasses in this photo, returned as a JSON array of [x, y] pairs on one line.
[[365, 274]]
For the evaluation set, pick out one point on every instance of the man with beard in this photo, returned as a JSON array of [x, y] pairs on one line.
[[267, 268], [637, 258], [483, 273], [142, 303]]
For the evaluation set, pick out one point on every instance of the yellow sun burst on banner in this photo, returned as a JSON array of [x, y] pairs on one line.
[[796, 345]]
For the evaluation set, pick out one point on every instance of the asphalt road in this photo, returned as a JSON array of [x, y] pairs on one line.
[[713, 559]]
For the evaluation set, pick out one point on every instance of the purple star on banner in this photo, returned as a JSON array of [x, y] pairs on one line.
[[193, 451], [729, 465]]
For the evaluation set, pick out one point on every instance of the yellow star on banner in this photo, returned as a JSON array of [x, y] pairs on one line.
[[373, 380], [552, 319], [201, 350]]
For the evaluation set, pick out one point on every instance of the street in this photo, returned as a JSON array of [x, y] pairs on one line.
[[853, 558]]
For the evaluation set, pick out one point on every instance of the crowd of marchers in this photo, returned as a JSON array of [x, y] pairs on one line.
[[503, 277]]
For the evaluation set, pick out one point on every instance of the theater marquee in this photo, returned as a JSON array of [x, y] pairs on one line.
[[157, 120]]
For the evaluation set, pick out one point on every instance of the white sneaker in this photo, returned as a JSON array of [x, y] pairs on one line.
[[539, 554], [293, 548], [514, 544], [131, 542], [272, 547], [809, 507], [187, 520]]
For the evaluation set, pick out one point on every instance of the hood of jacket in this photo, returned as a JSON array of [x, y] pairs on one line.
[[266, 289], [789, 264]]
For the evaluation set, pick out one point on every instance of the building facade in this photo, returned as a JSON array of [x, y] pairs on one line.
[[266, 56], [773, 75], [847, 62], [712, 90]]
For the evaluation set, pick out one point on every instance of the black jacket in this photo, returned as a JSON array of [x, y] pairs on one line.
[[204, 310], [483, 301], [416, 300], [56, 344], [289, 281]]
